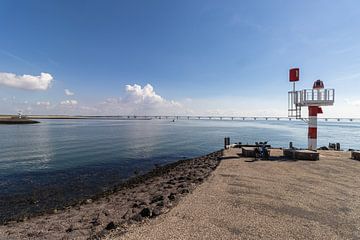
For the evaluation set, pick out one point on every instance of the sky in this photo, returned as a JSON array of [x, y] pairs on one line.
[[189, 57]]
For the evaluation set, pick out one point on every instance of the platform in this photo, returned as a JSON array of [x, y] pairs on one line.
[[301, 154], [355, 155]]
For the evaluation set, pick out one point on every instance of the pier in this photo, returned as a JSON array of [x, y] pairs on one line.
[[220, 118]]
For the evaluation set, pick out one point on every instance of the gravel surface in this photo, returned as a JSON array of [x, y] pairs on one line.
[[279, 199]]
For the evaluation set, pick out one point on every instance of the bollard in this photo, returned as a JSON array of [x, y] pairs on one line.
[[337, 146], [226, 142]]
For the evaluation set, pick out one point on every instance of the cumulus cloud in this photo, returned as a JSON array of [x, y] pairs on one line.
[[27, 82], [136, 94], [140, 100], [69, 93], [69, 102]]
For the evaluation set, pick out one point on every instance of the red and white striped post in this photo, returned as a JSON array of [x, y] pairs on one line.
[[313, 112], [312, 130]]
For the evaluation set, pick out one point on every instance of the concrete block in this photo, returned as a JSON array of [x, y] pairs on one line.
[[248, 151], [355, 155], [301, 154]]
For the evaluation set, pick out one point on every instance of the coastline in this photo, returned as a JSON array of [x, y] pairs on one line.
[[139, 198]]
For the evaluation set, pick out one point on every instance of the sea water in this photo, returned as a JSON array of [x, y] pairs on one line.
[[82, 157]]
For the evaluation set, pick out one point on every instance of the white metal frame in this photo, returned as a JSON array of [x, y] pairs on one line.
[[308, 97]]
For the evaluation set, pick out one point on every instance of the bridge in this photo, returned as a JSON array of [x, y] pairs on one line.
[[223, 118]]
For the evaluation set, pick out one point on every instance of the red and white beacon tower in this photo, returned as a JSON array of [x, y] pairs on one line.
[[313, 99]]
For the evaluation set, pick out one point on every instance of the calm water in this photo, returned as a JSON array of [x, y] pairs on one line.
[[95, 154]]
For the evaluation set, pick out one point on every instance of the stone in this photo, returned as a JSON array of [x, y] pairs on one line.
[[157, 198], [145, 212], [111, 225], [70, 229], [156, 212], [183, 191], [172, 196]]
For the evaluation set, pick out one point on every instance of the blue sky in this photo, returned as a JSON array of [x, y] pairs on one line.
[[199, 57]]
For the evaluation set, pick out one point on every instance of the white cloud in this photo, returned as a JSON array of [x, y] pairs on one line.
[[140, 100], [27, 82], [136, 94], [69, 102], [69, 93], [45, 103]]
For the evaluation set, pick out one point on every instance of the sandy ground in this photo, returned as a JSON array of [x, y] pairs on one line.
[[266, 200]]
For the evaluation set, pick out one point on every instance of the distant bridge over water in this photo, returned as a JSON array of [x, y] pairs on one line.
[[228, 118]]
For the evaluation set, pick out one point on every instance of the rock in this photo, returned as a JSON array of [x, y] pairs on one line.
[[172, 197], [135, 205], [111, 225], [128, 214], [95, 222], [88, 201], [70, 229], [156, 212], [145, 212], [160, 204], [171, 182], [181, 178], [183, 191], [157, 199]]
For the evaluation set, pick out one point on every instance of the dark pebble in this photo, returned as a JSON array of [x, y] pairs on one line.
[[70, 229], [135, 205], [172, 196], [110, 226], [183, 191], [145, 212], [157, 199]]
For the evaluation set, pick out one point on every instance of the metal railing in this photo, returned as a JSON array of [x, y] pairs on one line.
[[315, 97]]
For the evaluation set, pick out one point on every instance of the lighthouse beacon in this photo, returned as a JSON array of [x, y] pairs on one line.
[[313, 99]]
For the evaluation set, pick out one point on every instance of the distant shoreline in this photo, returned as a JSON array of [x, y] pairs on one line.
[[17, 121]]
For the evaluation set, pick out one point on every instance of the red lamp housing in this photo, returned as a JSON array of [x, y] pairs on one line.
[[294, 74]]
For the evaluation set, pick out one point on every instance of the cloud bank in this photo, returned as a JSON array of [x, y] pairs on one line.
[[27, 82]]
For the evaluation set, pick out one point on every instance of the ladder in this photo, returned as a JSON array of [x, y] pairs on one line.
[[294, 109]]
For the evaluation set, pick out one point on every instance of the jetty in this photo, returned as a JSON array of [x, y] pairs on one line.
[[20, 119]]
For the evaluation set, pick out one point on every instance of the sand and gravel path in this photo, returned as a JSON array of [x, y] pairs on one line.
[[266, 200]]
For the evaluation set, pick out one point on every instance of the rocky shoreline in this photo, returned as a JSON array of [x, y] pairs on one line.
[[140, 198]]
